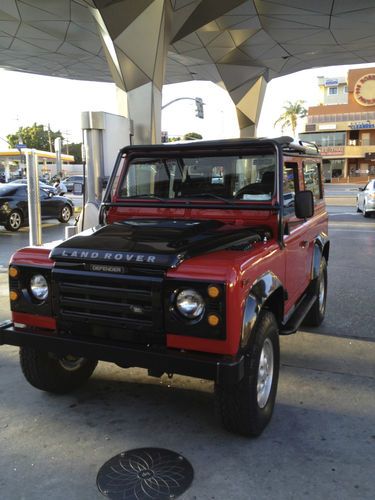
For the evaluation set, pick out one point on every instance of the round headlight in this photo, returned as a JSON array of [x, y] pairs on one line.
[[190, 303], [39, 287]]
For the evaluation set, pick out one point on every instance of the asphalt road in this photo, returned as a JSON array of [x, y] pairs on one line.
[[320, 443]]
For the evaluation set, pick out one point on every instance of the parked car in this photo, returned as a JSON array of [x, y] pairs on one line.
[[42, 185], [14, 208], [183, 275], [366, 199], [73, 179]]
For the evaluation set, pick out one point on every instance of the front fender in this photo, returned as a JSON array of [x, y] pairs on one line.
[[321, 247], [260, 292]]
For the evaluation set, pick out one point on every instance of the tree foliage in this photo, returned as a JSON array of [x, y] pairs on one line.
[[292, 112], [192, 136], [36, 137], [74, 149]]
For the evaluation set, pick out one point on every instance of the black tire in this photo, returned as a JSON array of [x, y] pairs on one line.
[[242, 407], [48, 373], [319, 286], [65, 214], [14, 221]]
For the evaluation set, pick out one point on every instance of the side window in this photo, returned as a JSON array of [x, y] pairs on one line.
[[311, 174], [290, 186]]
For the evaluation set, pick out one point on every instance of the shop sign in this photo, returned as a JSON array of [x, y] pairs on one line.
[[361, 125], [364, 90], [332, 150], [331, 83], [327, 126]]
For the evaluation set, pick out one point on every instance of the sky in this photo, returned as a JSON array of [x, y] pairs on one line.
[[26, 98]]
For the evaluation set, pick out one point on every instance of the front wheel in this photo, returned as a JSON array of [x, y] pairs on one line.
[[49, 373], [65, 214], [246, 407], [14, 221]]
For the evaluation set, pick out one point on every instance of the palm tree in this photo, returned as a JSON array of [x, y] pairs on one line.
[[292, 112]]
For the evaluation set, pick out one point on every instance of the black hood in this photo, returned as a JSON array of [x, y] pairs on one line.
[[151, 242]]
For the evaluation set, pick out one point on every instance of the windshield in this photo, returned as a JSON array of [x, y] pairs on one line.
[[227, 178]]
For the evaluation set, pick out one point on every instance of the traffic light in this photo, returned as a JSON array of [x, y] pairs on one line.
[[199, 110]]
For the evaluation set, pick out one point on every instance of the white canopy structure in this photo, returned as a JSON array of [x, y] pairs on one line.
[[143, 44]]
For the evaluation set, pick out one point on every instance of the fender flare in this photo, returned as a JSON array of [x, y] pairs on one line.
[[320, 244], [259, 292]]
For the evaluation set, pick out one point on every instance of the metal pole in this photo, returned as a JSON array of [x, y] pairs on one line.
[[35, 224], [94, 175]]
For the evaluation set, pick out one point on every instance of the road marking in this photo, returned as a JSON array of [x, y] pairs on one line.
[[343, 213], [351, 230]]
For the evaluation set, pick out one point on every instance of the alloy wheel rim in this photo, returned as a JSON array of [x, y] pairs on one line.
[[265, 373], [65, 213], [15, 220]]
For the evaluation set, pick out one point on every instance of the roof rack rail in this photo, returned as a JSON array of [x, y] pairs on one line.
[[309, 144], [303, 147], [284, 140]]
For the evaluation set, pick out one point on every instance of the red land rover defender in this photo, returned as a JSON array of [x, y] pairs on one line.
[[206, 252]]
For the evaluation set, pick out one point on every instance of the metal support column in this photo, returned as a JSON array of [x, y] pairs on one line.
[[33, 196], [94, 165]]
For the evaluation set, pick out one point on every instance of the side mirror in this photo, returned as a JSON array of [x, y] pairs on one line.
[[304, 204], [361, 189], [77, 188]]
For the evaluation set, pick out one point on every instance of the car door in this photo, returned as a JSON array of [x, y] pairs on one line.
[[364, 195], [295, 237], [361, 197], [47, 204], [20, 199]]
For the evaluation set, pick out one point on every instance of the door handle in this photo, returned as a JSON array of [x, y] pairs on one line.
[[304, 244]]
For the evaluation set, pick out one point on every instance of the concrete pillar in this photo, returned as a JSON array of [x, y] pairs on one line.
[[138, 69], [249, 105]]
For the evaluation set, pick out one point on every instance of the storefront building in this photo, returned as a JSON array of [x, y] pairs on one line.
[[343, 126]]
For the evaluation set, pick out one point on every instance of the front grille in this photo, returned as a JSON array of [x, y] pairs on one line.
[[104, 305]]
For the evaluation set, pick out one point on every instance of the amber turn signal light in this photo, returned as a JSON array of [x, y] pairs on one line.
[[14, 272], [213, 320], [13, 295], [213, 291]]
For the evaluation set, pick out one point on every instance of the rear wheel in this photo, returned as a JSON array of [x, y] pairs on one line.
[[317, 312], [364, 212], [14, 221], [246, 407], [65, 214], [49, 373]]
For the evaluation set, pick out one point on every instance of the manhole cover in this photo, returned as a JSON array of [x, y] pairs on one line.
[[145, 473]]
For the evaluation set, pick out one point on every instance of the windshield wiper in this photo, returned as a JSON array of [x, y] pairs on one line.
[[146, 196], [210, 195]]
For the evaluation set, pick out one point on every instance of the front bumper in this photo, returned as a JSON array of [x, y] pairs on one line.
[[224, 371]]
